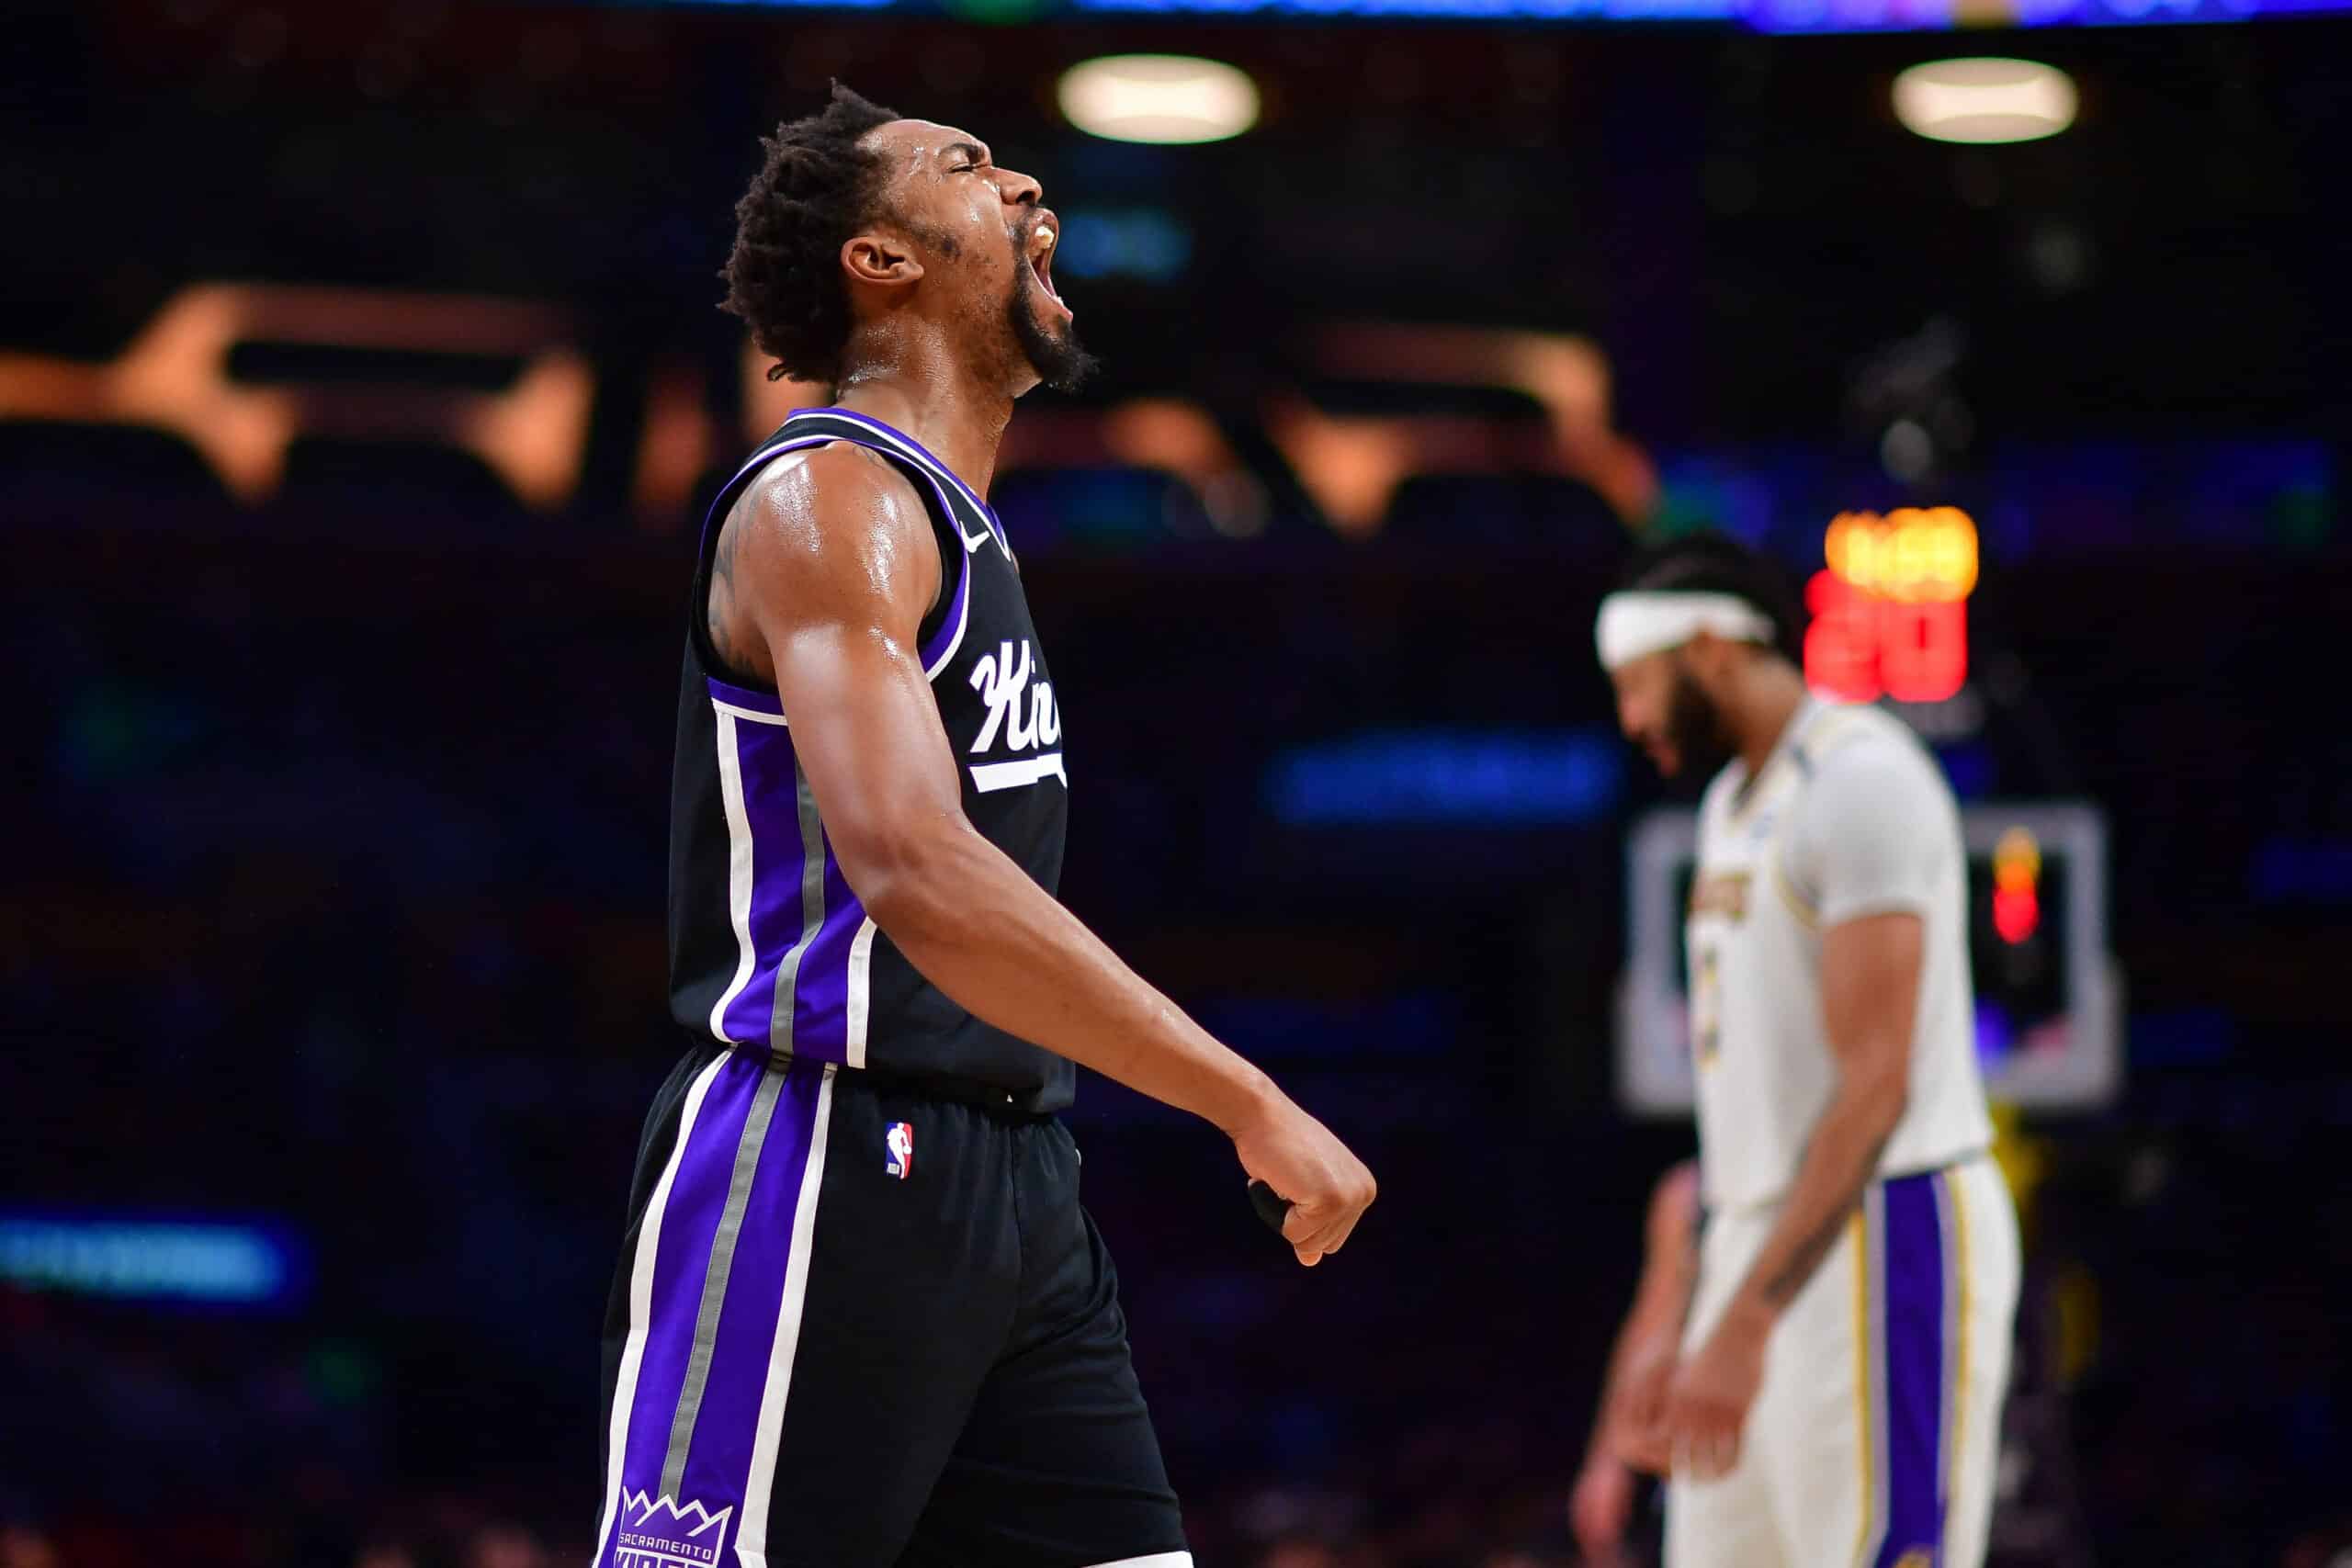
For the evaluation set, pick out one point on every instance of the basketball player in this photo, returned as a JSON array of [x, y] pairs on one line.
[[1838, 1397], [860, 1318]]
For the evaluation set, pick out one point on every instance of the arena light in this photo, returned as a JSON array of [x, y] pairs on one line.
[[1168, 98], [2017, 886], [1985, 100], [228, 1263]]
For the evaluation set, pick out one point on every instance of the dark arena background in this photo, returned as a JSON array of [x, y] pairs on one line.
[[360, 382]]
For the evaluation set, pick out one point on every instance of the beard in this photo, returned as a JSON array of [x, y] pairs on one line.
[[1058, 357], [1695, 729], [1053, 352]]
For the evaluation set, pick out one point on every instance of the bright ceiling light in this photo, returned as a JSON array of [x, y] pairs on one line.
[[1158, 98], [1985, 100]]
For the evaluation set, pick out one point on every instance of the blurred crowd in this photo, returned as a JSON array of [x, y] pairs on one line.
[[378, 829]]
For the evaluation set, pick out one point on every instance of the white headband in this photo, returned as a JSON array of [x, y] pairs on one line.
[[1634, 625]]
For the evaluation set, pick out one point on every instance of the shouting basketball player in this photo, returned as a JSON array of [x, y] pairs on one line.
[[1837, 1390], [860, 1319]]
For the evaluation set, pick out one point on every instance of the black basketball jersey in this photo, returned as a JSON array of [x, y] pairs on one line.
[[768, 944]]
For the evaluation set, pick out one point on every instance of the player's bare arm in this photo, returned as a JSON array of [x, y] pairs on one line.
[[1870, 990], [1624, 1428], [829, 568], [1646, 1346]]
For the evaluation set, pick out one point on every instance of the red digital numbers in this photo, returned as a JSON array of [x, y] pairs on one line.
[[2017, 886], [1890, 613]]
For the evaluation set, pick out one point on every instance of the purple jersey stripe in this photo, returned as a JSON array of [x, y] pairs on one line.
[[943, 643], [718, 1459], [744, 697], [1912, 1381], [894, 433], [950, 635], [771, 807], [820, 998], [681, 1258]]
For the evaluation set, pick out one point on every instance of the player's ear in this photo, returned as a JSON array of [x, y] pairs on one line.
[[1711, 657], [879, 259]]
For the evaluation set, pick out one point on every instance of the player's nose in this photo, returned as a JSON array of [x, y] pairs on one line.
[[1018, 188]]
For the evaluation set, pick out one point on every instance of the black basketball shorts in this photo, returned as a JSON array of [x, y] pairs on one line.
[[859, 1326]]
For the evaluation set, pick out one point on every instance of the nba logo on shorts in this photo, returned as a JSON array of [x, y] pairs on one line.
[[900, 1142]]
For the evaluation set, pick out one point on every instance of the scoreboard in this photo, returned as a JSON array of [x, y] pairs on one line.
[[2048, 994], [1890, 608]]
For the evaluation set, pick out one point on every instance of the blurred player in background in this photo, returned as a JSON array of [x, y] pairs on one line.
[[1601, 1510], [1838, 1395]]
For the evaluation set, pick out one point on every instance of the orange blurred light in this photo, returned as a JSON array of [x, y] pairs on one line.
[[2017, 859], [2017, 880], [175, 374], [1912, 555]]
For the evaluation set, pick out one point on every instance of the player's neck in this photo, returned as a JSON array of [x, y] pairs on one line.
[[1774, 694], [922, 390]]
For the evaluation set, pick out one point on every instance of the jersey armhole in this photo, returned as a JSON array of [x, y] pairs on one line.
[[955, 591]]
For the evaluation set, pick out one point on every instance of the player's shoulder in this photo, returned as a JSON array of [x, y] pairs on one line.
[[1845, 736], [840, 505], [831, 526], [1859, 748], [838, 476]]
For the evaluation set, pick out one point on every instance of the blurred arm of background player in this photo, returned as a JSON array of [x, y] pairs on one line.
[[1625, 1430], [830, 611], [1866, 841]]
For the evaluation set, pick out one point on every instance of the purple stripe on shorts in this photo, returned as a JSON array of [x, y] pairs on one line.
[[744, 697], [681, 1260], [820, 998], [1912, 1381], [719, 1458], [771, 807]]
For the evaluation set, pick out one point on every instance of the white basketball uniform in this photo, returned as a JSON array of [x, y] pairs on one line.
[[1873, 1440]]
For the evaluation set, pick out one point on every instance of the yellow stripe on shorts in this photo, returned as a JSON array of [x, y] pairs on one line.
[[1858, 1235]]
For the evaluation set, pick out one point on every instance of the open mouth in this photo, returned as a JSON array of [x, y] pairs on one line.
[[1043, 238]]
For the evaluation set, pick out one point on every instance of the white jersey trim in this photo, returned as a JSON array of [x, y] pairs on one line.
[[641, 1299], [759, 1486], [738, 867], [1022, 772], [962, 611], [860, 1006], [754, 714]]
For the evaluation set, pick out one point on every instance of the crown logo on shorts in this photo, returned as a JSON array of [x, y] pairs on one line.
[[661, 1532], [647, 1507]]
